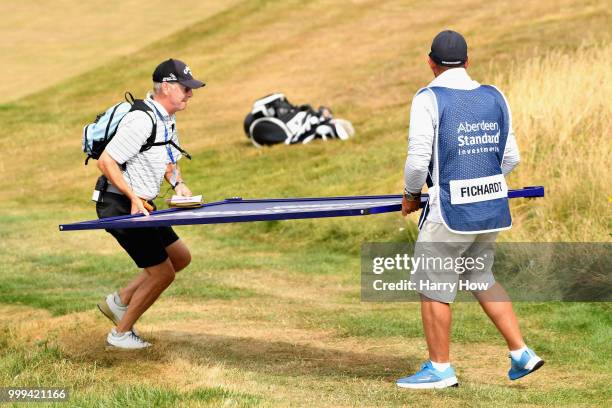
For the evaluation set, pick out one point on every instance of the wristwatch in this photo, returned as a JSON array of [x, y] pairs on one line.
[[412, 196], [177, 183]]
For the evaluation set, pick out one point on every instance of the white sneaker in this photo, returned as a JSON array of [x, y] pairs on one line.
[[127, 340], [113, 311]]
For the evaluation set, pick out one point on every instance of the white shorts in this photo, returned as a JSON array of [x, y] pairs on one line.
[[452, 262]]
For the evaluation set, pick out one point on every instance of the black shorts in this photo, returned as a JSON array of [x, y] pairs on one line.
[[146, 246]]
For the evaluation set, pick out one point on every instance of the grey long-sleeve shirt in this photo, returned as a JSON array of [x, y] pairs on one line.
[[423, 122]]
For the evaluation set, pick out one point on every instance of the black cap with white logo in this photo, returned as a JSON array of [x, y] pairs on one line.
[[449, 49], [176, 71]]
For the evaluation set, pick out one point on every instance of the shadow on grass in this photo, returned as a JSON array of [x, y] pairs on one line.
[[278, 358]]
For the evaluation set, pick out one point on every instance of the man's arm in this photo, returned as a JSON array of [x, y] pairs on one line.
[[175, 179], [421, 138], [173, 173], [511, 154]]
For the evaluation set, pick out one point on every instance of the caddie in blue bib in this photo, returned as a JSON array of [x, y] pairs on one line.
[[469, 145]]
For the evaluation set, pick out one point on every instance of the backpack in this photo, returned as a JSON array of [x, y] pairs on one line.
[[274, 120], [97, 134]]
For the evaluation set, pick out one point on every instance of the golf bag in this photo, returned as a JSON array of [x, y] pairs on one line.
[[273, 120]]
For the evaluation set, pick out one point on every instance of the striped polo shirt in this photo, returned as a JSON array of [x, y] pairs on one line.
[[144, 171]]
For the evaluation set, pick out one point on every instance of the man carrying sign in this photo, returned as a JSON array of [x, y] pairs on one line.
[[461, 144]]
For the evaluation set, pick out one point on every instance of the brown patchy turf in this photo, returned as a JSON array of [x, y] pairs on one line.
[[262, 357]]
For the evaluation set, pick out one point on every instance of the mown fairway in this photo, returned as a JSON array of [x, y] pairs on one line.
[[269, 314]]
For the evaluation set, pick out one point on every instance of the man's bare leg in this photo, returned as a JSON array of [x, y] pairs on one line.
[[436, 318], [126, 293], [497, 305], [179, 256], [160, 277]]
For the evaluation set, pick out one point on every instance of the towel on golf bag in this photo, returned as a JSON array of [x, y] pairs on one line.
[[275, 120]]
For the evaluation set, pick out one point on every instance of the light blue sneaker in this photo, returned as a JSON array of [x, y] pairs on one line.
[[429, 377], [528, 363]]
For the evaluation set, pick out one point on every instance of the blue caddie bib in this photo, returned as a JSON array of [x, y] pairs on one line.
[[471, 135]]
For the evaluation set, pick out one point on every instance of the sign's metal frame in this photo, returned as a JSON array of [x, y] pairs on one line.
[[386, 207]]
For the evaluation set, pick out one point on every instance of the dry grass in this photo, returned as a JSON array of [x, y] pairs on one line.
[[44, 43], [563, 120]]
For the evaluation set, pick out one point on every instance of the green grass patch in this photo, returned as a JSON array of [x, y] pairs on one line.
[[66, 283], [404, 321], [192, 289], [571, 334], [156, 396]]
